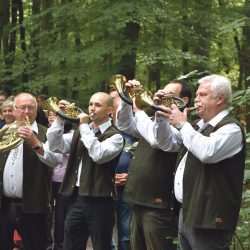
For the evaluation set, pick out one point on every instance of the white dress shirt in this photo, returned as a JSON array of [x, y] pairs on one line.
[[219, 145], [13, 170], [100, 152], [155, 132]]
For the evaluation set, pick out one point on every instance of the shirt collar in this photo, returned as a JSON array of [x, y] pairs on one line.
[[34, 127], [102, 127], [215, 120]]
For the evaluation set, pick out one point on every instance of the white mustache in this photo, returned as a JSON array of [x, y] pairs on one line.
[[196, 105]]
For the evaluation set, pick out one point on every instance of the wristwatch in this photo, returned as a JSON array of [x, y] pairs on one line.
[[38, 146], [179, 125]]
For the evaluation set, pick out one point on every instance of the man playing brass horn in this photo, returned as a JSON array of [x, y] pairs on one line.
[[89, 178], [210, 167], [25, 180], [150, 176]]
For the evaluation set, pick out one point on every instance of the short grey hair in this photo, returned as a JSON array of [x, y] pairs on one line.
[[8, 102], [219, 85]]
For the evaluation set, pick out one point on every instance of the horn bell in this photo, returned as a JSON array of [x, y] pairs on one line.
[[9, 138], [70, 114], [118, 83]]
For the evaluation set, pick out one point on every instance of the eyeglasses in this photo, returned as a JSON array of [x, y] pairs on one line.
[[23, 108]]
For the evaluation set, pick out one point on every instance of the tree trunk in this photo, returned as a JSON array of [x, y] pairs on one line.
[[202, 27], [4, 33], [33, 36], [22, 35], [128, 61], [185, 45], [154, 76], [4, 21]]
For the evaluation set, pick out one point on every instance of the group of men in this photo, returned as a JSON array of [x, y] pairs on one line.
[[190, 171]]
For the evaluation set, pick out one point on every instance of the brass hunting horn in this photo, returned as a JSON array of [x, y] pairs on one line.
[[118, 82], [9, 137], [71, 111], [143, 98]]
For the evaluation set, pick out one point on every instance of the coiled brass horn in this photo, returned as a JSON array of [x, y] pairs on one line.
[[71, 111], [118, 83], [9, 137], [143, 98]]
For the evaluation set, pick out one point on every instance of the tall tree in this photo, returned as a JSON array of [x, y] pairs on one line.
[[202, 29]]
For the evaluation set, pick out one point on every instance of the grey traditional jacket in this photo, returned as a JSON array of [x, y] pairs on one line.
[[212, 192], [150, 181]]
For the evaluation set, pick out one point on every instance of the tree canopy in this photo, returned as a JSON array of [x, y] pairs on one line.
[[70, 48]]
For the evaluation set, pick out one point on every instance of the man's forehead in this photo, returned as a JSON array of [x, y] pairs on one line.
[[175, 88], [95, 99], [98, 97], [204, 86]]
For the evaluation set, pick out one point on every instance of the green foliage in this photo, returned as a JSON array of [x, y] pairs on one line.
[[241, 239], [82, 44]]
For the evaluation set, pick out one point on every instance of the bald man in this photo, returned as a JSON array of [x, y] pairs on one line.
[[89, 179]]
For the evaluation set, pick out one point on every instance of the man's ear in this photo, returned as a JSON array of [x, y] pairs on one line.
[[185, 99], [220, 99], [110, 111]]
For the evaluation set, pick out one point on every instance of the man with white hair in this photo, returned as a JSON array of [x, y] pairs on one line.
[[210, 167], [25, 179]]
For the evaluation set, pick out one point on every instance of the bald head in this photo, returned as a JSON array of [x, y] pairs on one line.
[[25, 96], [104, 97], [25, 105], [100, 107]]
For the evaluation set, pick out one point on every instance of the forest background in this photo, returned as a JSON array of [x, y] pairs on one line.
[[70, 48]]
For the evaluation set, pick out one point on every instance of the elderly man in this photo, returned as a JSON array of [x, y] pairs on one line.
[[26, 180], [89, 178], [209, 177]]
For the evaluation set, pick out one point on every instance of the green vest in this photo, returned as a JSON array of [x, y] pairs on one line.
[[212, 192], [96, 180], [150, 180], [36, 178]]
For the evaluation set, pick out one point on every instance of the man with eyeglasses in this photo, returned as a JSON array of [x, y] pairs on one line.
[[25, 180]]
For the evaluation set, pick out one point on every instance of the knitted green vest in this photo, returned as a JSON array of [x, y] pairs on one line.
[[36, 178], [150, 181], [96, 180], [212, 192]]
